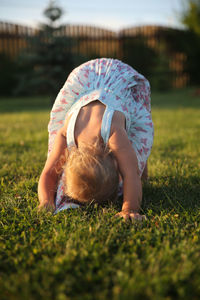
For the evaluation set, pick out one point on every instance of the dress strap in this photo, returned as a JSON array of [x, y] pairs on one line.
[[70, 128], [106, 123]]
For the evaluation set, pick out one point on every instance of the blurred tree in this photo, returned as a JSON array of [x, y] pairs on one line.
[[190, 17], [45, 67], [151, 63], [53, 12], [8, 70], [138, 54]]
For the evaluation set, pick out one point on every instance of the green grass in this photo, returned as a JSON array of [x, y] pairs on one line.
[[87, 253]]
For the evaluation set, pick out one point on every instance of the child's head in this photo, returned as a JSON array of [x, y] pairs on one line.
[[91, 174]]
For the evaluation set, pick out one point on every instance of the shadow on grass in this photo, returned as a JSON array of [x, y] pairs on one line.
[[28, 104], [184, 98], [165, 100], [167, 193]]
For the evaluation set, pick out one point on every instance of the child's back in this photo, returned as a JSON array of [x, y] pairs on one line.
[[88, 124]]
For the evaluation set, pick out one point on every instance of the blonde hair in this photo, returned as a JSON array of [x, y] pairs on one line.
[[91, 174]]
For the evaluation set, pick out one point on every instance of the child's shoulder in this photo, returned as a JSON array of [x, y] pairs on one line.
[[118, 121], [118, 134]]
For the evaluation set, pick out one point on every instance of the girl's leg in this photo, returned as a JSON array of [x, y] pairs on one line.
[[145, 173]]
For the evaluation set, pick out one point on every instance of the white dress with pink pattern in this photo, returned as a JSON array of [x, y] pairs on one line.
[[118, 86]]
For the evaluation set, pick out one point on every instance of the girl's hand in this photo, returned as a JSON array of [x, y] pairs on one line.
[[130, 216], [49, 206]]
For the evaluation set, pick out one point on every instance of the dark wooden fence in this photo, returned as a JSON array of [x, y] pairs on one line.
[[89, 39], [128, 45]]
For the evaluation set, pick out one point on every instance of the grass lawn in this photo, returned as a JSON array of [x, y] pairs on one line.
[[87, 253]]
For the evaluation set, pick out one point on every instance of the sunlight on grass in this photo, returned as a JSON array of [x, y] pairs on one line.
[[87, 251]]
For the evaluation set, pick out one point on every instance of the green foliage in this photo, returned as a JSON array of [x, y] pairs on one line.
[[8, 73], [191, 45], [87, 253], [191, 16], [53, 12], [192, 50], [154, 65], [160, 76], [138, 54], [45, 65]]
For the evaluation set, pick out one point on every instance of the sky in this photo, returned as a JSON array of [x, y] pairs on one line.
[[110, 14]]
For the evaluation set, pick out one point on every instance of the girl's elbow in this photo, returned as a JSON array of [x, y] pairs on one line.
[[48, 176]]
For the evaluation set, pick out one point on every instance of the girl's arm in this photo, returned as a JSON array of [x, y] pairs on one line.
[[50, 174], [128, 168]]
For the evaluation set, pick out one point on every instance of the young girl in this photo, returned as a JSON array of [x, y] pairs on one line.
[[100, 136]]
